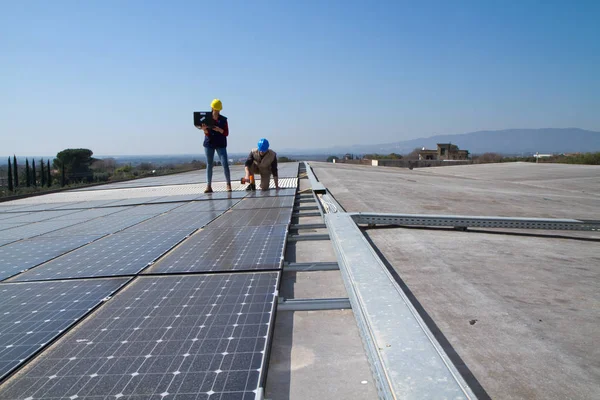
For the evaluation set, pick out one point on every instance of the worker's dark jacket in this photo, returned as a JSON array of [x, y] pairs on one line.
[[214, 139]]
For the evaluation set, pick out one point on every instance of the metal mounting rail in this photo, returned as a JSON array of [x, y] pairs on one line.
[[317, 187], [304, 267], [407, 360], [465, 221], [313, 304]]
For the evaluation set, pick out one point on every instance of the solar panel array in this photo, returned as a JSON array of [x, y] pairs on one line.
[[32, 314], [119, 254], [199, 327], [227, 249], [25, 254]]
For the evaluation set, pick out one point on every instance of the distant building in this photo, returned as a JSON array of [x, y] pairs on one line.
[[445, 151]]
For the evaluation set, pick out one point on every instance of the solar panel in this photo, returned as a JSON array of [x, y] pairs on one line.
[[6, 241], [26, 254], [213, 205], [273, 193], [222, 195], [181, 337], [32, 314], [5, 216], [34, 229], [155, 209], [175, 198], [251, 203], [175, 221], [249, 248], [44, 206], [239, 218], [134, 201], [102, 226], [93, 213], [87, 204], [8, 225], [118, 254], [41, 216]]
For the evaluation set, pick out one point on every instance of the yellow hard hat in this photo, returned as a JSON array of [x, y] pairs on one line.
[[216, 105]]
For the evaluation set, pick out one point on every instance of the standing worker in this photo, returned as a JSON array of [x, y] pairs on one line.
[[264, 162], [215, 139]]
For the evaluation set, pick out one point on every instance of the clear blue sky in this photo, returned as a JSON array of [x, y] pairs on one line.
[[123, 77]]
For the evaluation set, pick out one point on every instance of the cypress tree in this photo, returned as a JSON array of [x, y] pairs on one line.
[[33, 173], [27, 173], [49, 181], [10, 176], [42, 173], [15, 172]]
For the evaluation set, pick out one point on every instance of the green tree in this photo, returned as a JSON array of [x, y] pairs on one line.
[[331, 158], [42, 173], [15, 172], [49, 180], [33, 173], [27, 173], [75, 164], [10, 177]]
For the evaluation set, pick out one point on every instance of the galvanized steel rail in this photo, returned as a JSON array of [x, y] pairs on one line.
[[406, 359], [466, 221]]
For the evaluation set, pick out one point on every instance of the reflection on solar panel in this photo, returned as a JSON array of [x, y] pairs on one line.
[[214, 205], [176, 198], [275, 216], [273, 193], [222, 195], [26, 254], [42, 216], [118, 254], [155, 209], [249, 248], [5, 216], [35, 229], [32, 314], [251, 203], [173, 221], [92, 213], [182, 337], [134, 201], [43, 206], [102, 226]]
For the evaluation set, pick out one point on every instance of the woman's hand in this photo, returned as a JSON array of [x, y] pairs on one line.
[[205, 129], [217, 129]]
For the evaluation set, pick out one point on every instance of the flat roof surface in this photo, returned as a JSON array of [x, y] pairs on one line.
[[517, 311]]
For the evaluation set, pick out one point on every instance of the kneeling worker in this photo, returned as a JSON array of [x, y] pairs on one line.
[[262, 161]]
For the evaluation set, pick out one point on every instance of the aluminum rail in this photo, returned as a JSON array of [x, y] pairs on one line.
[[317, 187], [406, 359], [466, 221]]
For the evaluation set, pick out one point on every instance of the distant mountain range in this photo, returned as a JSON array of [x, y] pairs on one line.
[[509, 141]]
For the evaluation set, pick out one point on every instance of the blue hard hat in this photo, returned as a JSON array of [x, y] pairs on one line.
[[263, 145]]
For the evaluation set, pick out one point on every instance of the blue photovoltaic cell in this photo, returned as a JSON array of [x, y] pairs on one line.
[[118, 254], [173, 221], [227, 249], [35, 229], [25, 254], [32, 314], [251, 203], [182, 337], [258, 217]]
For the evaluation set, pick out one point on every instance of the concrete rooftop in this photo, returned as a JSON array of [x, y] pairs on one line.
[[518, 312]]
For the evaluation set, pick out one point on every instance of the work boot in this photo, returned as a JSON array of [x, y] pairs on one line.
[[208, 189], [228, 189], [251, 187]]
